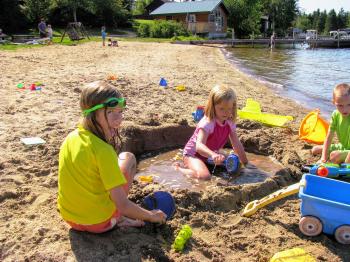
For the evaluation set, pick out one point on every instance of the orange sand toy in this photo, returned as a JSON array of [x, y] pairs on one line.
[[313, 128], [112, 77]]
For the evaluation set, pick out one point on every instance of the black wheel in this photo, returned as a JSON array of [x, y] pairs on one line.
[[342, 235], [310, 226]]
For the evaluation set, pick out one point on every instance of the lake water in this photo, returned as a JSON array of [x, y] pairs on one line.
[[305, 75]]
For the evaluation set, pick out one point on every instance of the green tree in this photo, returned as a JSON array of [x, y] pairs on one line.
[[111, 12], [282, 13], [11, 18], [139, 7], [331, 21], [302, 22], [244, 16], [322, 22], [73, 5], [342, 19], [36, 9]]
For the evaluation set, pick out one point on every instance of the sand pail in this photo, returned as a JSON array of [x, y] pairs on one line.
[[313, 128]]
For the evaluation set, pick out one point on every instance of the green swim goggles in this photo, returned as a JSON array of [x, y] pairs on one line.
[[110, 102]]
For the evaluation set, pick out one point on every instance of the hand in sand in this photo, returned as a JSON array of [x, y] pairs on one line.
[[218, 158], [158, 216]]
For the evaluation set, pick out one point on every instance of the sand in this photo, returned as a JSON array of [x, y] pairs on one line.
[[157, 119]]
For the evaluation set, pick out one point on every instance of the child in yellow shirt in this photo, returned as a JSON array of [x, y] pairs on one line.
[[93, 180]]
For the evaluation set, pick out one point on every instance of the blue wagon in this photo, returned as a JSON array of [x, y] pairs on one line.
[[325, 207]]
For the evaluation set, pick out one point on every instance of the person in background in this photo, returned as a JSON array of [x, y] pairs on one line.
[[104, 35], [42, 28], [273, 40], [49, 33]]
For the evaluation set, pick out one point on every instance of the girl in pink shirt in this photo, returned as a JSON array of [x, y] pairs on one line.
[[211, 134]]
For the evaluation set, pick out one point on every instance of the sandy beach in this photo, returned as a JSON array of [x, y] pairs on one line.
[[157, 118]]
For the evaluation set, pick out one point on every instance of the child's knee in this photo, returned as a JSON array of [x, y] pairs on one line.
[[316, 150], [336, 157], [204, 175], [128, 163]]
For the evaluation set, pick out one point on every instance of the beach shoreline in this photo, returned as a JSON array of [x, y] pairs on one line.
[[156, 118]]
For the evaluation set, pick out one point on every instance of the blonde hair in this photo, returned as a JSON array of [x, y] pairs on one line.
[[341, 90], [93, 94], [218, 94]]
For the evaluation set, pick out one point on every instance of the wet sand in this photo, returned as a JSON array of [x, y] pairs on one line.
[[157, 119]]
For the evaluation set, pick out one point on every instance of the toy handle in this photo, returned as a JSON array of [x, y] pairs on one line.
[[306, 168], [211, 161]]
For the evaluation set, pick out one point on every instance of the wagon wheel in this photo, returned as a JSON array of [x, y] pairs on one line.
[[342, 235], [310, 226]]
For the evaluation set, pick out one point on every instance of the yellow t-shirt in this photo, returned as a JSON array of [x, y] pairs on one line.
[[88, 169]]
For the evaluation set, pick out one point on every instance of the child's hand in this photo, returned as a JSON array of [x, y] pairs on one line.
[[157, 216], [218, 158]]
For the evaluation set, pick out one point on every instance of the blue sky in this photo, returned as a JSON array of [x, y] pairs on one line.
[[311, 5]]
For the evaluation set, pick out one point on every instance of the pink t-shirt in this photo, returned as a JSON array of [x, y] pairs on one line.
[[217, 136]]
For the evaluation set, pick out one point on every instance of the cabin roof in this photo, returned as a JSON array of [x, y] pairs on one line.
[[205, 6]]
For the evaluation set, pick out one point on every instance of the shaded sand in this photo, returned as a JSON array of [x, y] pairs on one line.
[[157, 118]]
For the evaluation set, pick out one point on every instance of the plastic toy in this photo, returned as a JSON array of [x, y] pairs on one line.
[[231, 163], [161, 200], [252, 111], [163, 82], [197, 116], [33, 87], [329, 170], [313, 128], [180, 88], [182, 237], [325, 207], [292, 255], [112, 77], [20, 86], [255, 205], [31, 141], [147, 179]]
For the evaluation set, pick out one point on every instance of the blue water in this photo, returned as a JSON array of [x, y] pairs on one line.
[[305, 75]]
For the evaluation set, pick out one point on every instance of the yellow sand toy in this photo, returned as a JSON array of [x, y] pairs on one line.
[[180, 88], [146, 179], [252, 111], [292, 255], [255, 205], [313, 128]]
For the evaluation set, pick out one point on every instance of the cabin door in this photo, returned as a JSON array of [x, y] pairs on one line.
[[192, 23], [218, 23]]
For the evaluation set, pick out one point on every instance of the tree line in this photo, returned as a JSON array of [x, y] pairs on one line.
[[17, 15], [323, 22], [245, 16]]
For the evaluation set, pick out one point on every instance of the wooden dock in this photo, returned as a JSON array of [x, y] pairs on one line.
[[312, 43]]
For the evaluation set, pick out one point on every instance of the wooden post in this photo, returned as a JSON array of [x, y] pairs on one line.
[[338, 38]]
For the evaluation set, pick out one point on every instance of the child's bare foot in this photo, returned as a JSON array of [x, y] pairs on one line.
[[128, 222]]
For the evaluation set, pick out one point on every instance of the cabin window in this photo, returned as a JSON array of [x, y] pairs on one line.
[[211, 18], [191, 18]]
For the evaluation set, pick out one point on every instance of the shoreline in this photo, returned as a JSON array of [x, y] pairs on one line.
[[299, 97], [157, 118]]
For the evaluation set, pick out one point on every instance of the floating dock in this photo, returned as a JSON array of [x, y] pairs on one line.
[[312, 43]]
